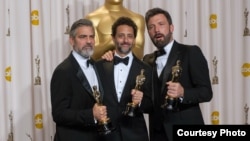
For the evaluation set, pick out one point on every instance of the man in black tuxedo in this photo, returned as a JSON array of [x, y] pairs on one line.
[[120, 81], [74, 108], [193, 86]]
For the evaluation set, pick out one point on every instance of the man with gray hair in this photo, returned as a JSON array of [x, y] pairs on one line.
[[74, 108]]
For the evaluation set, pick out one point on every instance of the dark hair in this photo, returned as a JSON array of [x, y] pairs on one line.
[[79, 23], [124, 21], [154, 11]]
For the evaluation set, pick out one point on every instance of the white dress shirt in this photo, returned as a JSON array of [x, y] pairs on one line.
[[87, 70], [121, 72], [162, 60]]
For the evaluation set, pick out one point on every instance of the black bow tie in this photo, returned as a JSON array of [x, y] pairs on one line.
[[90, 61], [118, 60], [160, 52]]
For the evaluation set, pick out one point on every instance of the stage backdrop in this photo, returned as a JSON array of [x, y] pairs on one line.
[[34, 39]]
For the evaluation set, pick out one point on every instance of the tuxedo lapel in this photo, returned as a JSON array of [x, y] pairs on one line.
[[109, 69], [99, 81], [133, 72], [80, 75], [166, 73]]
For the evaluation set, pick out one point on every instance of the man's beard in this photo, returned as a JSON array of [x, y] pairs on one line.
[[86, 52], [162, 43], [122, 50]]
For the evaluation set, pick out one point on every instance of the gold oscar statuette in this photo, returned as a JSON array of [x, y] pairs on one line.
[[8, 31], [38, 78], [215, 77], [170, 103], [130, 109], [246, 29], [10, 136], [104, 126], [67, 27], [185, 33], [246, 108]]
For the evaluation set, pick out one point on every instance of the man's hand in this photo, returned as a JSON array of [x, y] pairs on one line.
[[99, 112], [136, 96], [175, 90], [109, 55]]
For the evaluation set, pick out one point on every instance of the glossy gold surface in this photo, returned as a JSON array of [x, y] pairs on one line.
[[104, 17]]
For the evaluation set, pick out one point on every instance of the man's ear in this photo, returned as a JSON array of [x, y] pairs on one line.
[[172, 28], [71, 41]]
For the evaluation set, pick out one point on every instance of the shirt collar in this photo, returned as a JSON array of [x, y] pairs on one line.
[[81, 60], [168, 47], [130, 55]]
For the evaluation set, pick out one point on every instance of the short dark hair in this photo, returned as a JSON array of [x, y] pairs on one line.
[[124, 21], [154, 11], [79, 23]]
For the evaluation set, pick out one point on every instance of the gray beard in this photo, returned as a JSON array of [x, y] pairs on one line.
[[86, 53]]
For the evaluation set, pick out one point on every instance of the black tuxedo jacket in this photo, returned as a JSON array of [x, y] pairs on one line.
[[72, 102], [195, 81], [127, 128]]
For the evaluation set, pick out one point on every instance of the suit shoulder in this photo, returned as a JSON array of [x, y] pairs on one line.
[[193, 48], [189, 48], [65, 64], [187, 45], [149, 56], [144, 64]]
